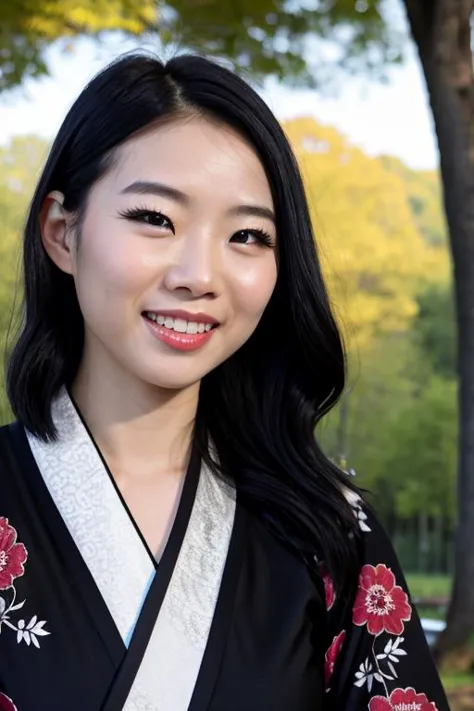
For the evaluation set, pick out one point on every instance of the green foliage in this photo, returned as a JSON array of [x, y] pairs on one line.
[[307, 42], [276, 37], [402, 438], [383, 383], [402, 431], [429, 585], [426, 201], [435, 329], [458, 680], [20, 163], [423, 452], [401, 434], [28, 26]]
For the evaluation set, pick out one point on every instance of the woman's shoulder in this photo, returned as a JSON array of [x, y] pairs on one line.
[[7, 439], [377, 556], [13, 457], [361, 509], [10, 437], [268, 552], [372, 533], [271, 552]]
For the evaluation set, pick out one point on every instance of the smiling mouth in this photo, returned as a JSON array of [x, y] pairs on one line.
[[179, 325], [178, 333]]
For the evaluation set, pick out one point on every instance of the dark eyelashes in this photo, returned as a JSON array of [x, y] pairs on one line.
[[141, 214], [263, 237], [155, 218]]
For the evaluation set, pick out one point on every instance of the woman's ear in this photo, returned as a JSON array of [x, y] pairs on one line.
[[55, 232]]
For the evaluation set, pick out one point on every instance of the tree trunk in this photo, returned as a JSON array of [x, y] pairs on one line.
[[441, 31]]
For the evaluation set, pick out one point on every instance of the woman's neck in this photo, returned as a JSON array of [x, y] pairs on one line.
[[140, 429]]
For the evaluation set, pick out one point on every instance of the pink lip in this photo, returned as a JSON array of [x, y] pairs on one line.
[[186, 315], [178, 341]]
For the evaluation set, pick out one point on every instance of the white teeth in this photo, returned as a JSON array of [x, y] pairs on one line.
[[179, 324]]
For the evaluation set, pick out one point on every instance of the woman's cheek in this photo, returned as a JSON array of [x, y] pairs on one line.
[[255, 287]]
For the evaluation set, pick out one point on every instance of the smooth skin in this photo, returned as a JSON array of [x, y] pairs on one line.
[[176, 223]]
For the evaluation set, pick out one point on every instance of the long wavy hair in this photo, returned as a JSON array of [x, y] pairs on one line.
[[259, 408]]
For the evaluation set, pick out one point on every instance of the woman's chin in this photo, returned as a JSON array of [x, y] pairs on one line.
[[176, 380]]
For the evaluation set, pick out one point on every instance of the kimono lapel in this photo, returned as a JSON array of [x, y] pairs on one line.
[[170, 666], [103, 531]]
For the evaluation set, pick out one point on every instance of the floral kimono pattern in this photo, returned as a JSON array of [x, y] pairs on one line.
[[373, 661], [13, 556], [6, 704]]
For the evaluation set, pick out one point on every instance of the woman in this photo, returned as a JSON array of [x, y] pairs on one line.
[[172, 537]]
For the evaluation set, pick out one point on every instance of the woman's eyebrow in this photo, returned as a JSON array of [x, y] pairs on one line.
[[143, 187], [253, 211]]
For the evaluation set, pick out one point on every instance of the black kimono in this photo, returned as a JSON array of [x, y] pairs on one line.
[[228, 620]]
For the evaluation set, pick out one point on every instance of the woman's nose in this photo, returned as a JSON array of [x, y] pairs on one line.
[[195, 268]]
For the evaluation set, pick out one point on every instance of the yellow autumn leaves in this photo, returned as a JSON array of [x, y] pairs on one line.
[[55, 18], [374, 254]]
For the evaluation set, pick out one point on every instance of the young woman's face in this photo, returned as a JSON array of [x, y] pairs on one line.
[[178, 238]]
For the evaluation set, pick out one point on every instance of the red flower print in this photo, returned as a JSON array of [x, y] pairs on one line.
[[380, 703], [380, 603], [402, 700], [6, 704], [328, 588], [332, 655], [12, 556]]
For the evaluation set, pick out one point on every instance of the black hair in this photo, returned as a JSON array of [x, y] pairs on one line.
[[259, 408]]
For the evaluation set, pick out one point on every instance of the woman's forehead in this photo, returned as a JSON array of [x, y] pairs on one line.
[[192, 154]]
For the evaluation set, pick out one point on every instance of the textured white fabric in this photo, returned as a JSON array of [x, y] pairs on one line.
[[122, 569], [170, 667], [94, 515]]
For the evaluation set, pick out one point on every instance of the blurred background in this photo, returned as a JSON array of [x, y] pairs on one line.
[[372, 94]]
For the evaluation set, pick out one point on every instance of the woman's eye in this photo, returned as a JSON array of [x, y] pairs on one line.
[[156, 219], [149, 217], [253, 237]]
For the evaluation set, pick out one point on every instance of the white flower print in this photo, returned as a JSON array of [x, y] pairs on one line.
[[362, 518], [366, 675], [391, 653], [356, 502], [29, 632]]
